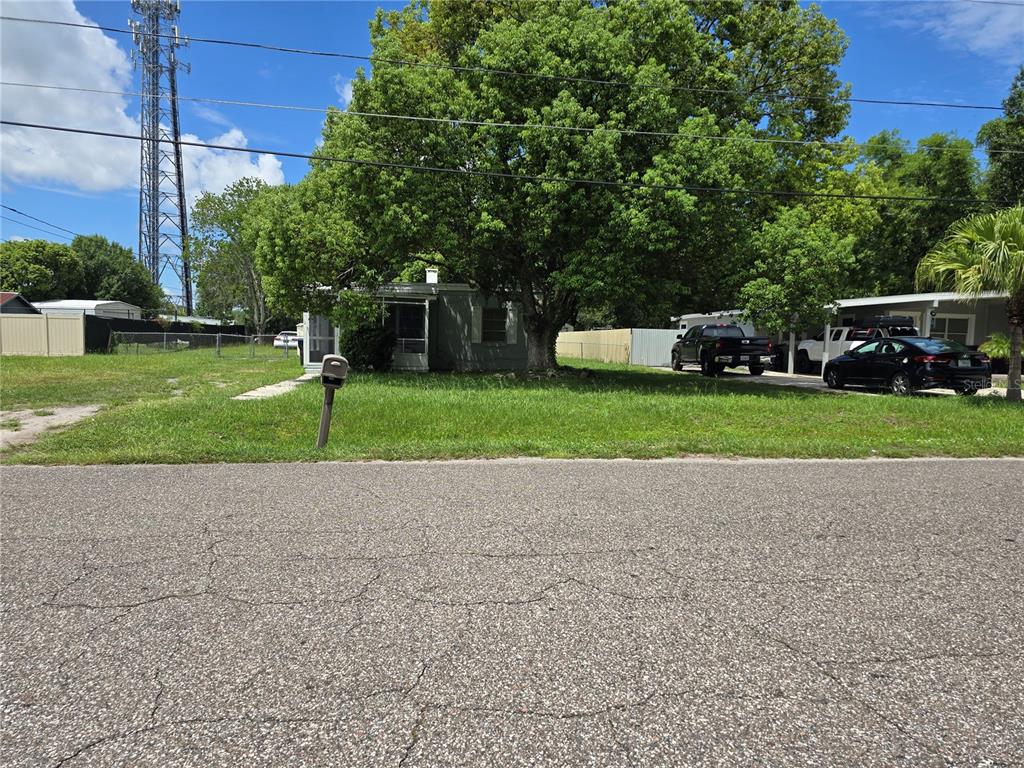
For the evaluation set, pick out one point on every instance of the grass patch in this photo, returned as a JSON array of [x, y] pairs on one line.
[[114, 380], [11, 425], [42, 412], [621, 412]]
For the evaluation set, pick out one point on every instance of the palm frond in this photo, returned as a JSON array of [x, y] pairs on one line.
[[979, 253]]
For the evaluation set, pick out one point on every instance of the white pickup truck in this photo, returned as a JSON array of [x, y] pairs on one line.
[[810, 352]]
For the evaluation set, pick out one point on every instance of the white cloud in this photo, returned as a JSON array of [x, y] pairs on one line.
[[87, 58], [213, 116], [211, 170], [66, 56], [992, 30], [343, 87]]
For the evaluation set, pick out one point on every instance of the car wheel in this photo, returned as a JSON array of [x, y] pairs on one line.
[[834, 379], [676, 365], [803, 362], [899, 384], [756, 370]]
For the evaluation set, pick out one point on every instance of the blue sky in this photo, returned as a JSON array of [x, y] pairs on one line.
[[952, 50]]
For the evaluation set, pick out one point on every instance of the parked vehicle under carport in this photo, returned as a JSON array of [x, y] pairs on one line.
[[908, 363]]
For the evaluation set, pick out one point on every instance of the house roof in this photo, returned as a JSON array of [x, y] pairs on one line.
[[917, 298], [81, 304], [871, 301], [10, 297]]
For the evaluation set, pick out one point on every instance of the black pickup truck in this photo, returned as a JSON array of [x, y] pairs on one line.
[[716, 347]]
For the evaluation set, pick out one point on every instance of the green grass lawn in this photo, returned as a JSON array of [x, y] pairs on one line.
[[115, 380], [621, 412]]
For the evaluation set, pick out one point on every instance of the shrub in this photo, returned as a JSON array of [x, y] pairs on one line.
[[997, 346], [368, 347]]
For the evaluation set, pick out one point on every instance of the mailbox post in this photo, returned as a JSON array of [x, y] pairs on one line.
[[333, 372]]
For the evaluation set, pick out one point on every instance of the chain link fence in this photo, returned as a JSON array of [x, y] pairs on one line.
[[265, 347]]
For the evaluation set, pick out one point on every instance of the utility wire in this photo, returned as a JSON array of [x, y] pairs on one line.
[[455, 121], [377, 60], [41, 221], [37, 229], [512, 176]]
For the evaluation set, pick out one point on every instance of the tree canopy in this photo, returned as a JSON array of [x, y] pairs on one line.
[[713, 76]]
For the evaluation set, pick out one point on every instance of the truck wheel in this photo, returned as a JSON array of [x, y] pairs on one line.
[[803, 361], [706, 367], [756, 370]]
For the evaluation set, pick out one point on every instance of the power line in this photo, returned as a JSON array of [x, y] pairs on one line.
[[37, 229], [41, 221], [377, 60], [455, 121], [514, 176]]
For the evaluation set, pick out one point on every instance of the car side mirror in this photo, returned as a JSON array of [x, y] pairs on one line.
[[679, 335]]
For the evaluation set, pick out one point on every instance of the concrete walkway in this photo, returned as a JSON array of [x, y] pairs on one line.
[[273, 390]]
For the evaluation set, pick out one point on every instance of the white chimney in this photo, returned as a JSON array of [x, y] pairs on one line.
[[431, 275]]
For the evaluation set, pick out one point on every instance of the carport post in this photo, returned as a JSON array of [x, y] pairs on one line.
[[792, 352], [826, 350]]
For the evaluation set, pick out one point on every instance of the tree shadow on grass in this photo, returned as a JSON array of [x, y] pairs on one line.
[[590, 381]]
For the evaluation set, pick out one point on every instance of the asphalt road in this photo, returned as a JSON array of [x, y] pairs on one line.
[[514, 613]]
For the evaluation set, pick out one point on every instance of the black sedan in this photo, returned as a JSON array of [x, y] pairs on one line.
[[907, 363]]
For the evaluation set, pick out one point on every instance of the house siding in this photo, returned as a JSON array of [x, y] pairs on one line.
[[451, 336]]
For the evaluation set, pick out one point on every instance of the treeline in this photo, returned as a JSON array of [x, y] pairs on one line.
[[91, 267]]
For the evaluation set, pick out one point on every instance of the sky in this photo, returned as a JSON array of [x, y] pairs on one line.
[[958, 51]]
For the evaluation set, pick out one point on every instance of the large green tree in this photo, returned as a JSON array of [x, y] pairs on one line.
[[942, 167], [110, 271], [717, 77], [224, 231], [40, 270], [1003, 140], [981, 253], [799, 269]]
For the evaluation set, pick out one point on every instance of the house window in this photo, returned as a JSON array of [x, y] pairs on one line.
[[952, 328], [494, 324]]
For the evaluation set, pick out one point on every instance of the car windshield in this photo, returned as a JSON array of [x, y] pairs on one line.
[[940, 346], [723, 330]]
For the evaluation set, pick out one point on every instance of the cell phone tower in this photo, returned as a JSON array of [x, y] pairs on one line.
[[163, 226]]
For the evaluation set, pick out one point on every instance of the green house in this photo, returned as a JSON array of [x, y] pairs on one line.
[[438, 327]]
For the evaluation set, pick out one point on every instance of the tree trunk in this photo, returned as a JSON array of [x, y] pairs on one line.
[[1013, 377], [540, 343]]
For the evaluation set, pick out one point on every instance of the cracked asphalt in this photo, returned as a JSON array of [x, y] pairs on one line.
[[514, 613]]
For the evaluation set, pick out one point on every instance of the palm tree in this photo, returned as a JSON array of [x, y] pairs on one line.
[[981, 253]]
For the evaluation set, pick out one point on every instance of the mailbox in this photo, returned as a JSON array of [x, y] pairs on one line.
[[333, 371]]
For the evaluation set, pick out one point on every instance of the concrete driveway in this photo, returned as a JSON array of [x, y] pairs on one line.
[[809, 381], [514, 613]]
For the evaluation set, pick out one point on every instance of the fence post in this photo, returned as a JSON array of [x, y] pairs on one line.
[[165, 341], [218, 345]]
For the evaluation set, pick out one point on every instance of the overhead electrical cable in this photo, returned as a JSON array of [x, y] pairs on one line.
[[379, 60], [37, 229], [41, 221], [513, 176], [456, 121]]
